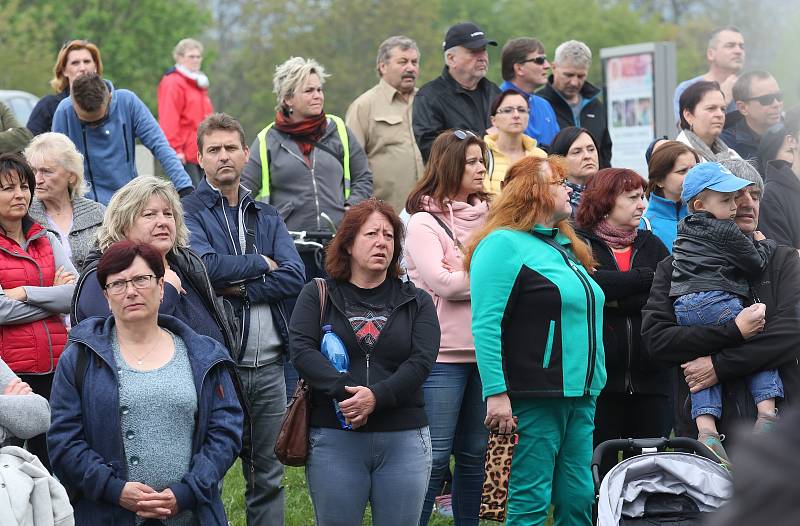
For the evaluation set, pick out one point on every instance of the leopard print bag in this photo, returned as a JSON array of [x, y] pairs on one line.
[[499, 451]]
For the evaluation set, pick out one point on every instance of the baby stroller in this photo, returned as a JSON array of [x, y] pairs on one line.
[[659, 487]]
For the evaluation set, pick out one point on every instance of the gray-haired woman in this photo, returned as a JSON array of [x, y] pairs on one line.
[[58, 202], [306, 162], [148, 210]]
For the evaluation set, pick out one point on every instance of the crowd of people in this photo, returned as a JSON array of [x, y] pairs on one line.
[[485, 269]]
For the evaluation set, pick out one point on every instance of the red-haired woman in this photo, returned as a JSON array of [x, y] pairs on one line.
[[391, 333], [634, 401]]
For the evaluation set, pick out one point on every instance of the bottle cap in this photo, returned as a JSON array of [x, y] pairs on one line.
[[327, 328]]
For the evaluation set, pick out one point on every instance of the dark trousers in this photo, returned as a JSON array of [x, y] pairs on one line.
[[622, 415], [41, 385]]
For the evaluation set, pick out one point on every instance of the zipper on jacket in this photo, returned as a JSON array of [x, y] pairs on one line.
[[628, 330], [88, 162], [313, 179], [125, 141]]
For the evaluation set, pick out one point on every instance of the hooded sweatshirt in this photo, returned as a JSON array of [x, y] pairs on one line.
[[426, 245]]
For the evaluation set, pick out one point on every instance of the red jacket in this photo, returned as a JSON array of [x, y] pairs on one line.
[[182, 106], [32, 347]]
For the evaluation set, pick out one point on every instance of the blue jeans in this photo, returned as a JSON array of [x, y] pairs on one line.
[[346, 469], [718, 308], [265, 389], [456, 411]]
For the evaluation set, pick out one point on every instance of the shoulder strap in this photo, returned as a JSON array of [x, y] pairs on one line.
[[443, 225], [322, 289], [264, 158]]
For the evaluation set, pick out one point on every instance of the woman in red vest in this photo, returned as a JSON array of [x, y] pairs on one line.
[[37, 280]]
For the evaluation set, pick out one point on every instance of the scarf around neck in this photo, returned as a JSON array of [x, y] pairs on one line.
[[305, 133], [614, 237], [198, 76], [718, 151]]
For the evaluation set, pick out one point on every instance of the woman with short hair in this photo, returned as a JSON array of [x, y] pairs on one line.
[[58, 203], [536, 319], [391, 335], [577, 147], [145, 416], [148, 210], [702, 113]]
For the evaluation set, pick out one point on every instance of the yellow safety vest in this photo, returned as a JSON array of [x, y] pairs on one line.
[[262, 152]]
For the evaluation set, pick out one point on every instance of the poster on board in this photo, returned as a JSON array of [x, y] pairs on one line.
[[630, 105]]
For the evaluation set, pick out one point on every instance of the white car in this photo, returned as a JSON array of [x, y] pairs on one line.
[[20, 102]]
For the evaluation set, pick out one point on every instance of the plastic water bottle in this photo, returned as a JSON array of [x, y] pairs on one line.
[[333, 349]]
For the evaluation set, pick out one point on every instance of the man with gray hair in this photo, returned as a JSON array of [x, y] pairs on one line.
[[460, 98], [381, 121], [725, 55], [576, 101]]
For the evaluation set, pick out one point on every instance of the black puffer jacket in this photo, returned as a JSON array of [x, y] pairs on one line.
[[628, 366], [778, 347], [442, 104], [713, 254]]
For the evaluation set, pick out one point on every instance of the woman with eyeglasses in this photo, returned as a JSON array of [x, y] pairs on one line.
[[702, 113], [447, 206], [537, 318], [509, 115], [36, 284], [76, 58], [145, 416]]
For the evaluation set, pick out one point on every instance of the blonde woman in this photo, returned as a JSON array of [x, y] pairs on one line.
[[306, 163], [58, 202], [148, 210]]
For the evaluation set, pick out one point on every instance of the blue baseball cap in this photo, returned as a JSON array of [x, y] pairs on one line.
[[710, 176]]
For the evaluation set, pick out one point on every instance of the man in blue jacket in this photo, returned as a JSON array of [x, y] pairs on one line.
[[104, 124], [253, 264]]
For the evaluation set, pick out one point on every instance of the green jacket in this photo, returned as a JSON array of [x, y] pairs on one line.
[[14, 137], [537, 317]]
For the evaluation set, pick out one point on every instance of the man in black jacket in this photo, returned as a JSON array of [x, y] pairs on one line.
[[461, 97], [575, 101], [719, 354]]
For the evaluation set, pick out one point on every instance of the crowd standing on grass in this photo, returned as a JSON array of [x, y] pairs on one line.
[[157, 324]]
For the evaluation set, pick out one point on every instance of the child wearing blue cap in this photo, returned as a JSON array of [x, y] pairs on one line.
[[713, 264]]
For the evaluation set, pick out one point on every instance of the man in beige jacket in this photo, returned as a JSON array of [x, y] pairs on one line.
[[381, 120]]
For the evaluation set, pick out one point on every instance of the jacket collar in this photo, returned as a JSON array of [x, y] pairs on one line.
[[389, 93], [641, 237], [96, 332], [482, 84], [781, 172], [664, 207], [588, 92], [81, 216], [212, 197]]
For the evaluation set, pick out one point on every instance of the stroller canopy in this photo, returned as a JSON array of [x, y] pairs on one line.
[[625, 488]]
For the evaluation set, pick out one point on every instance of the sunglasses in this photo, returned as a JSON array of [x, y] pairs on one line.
[[539, 61], [463, 134], [769, 98]]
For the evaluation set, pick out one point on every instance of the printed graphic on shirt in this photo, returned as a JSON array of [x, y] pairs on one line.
[[367, 322]]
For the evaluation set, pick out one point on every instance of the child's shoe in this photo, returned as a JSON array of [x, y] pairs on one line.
[[765, 422], [713, 441]]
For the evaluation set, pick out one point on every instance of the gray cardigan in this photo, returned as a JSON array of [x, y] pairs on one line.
[[87, 216], [21, 416]]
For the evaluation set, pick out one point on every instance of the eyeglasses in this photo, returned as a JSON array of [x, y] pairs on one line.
[[769, 98], [511, 109], [463, 134], [560, 182], [143, 281], [539, 61]]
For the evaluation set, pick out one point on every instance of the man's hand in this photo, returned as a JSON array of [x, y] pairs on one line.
[[700, 374], [758, 236], [751, 320], [17, 387], [271, 262]]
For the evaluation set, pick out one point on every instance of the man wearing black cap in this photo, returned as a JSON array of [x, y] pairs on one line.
[[460, 98]]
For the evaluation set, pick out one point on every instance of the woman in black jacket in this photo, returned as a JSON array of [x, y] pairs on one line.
[[635, 400], [391, 334]]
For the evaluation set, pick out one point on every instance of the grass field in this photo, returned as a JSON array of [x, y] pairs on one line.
[[298, 503]]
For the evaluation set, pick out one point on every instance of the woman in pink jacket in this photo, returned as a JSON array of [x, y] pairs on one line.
[[447, 205]]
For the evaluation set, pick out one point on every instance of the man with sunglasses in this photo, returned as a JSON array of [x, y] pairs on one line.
[[759, 106], [104, 124], [461, 96], [525, 69]]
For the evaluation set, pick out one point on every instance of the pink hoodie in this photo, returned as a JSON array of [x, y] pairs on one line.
[[426, 245]]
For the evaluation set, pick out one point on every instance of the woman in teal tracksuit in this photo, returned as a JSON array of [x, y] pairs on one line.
[[537, 319]]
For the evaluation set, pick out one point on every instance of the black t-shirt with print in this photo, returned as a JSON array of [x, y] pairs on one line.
[[368, 310]]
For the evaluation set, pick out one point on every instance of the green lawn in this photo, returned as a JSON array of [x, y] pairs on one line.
[[298, 503]]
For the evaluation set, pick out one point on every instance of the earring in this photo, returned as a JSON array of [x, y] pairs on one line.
[[290, 110], [691, 127]]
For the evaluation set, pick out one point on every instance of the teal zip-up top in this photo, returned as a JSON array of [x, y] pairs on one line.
[[537, 317]]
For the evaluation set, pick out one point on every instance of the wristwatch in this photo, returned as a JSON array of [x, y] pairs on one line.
[[243, 292]]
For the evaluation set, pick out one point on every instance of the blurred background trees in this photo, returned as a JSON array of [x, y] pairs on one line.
[[246, 39]]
